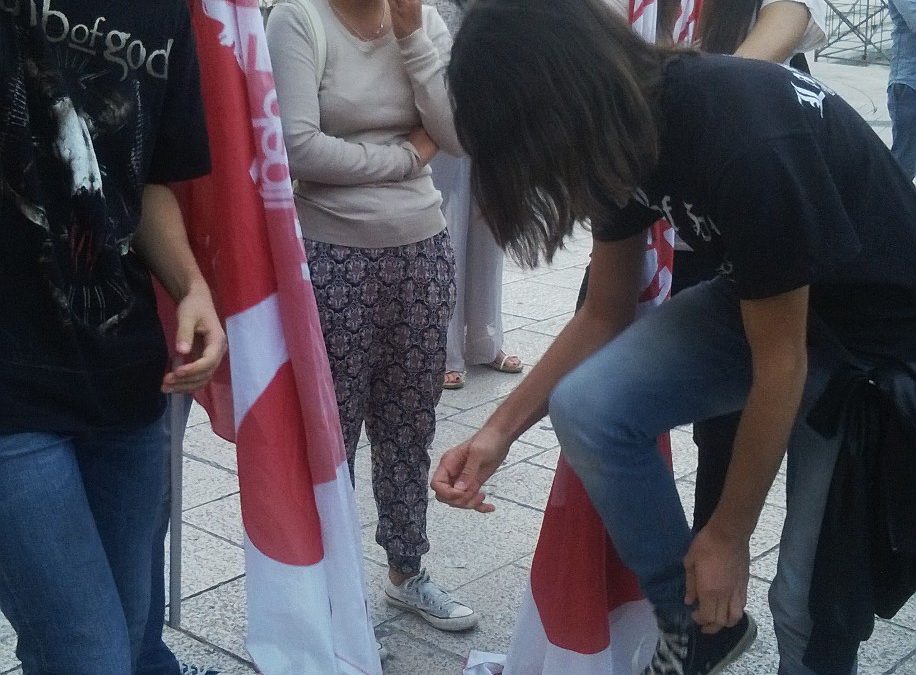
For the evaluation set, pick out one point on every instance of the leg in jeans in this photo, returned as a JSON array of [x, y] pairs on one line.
[[811, 459], [406, 387], [901, 103], [714, 437], [76, 522], [122, 472], [155, 656], [685, 360]]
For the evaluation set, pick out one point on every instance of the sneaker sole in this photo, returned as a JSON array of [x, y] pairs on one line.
[[457, 624], [746, 641]]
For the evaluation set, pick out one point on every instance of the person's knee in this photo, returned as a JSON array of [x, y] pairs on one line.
[[580, 413], [567, 408], [582, 403]]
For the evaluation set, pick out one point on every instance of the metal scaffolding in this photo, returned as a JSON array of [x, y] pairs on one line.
[[858, 31]]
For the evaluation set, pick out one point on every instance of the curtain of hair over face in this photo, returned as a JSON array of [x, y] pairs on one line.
[[553, 106]]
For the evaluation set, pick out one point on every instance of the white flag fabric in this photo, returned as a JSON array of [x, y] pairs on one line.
[[307, 610]]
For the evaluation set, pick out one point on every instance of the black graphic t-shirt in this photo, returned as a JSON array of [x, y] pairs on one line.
[[779, 183], [97, 99]]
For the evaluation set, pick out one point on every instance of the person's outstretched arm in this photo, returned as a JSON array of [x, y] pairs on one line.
[[161, 241], [610, 305]]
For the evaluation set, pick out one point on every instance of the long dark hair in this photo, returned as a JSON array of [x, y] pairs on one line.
[[725, 23], [554, 104]]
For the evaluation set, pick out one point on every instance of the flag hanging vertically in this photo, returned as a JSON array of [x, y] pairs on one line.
[[583, 612], [307, 610], [687, 19]]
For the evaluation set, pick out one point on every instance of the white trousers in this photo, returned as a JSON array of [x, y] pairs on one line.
[[475, 334]]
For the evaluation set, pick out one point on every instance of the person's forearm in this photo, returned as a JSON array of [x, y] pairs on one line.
[[760, 443], [318, 158], [162, 242], [426, 69], [777, 32], [583, 336], [610, 306]]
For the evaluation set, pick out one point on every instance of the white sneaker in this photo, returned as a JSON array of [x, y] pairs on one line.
[[422, 596]]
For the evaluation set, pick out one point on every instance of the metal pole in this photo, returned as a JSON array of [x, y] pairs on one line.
[[177, 421]]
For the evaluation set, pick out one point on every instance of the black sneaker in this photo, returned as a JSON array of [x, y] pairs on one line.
[[713, 652], [684, 650]]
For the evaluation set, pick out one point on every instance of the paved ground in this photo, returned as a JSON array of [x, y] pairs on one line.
[[485, 558]]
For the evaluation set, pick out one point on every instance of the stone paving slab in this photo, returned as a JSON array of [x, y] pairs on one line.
[[467, 546], [498, 598]]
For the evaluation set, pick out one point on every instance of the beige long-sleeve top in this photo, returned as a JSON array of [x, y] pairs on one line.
[[360, 183]]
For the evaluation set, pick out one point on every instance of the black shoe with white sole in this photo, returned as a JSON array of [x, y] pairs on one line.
[[684, 650]]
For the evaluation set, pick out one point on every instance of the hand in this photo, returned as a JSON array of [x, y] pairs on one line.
[[465, 468], [200, 337], [425, 146], [718, 569], [406, 17]]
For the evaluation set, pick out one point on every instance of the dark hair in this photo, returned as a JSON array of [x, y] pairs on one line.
[[724, 24], [554, 104]]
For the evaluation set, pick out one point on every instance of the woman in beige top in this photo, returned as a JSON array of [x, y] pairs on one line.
[[360, 132]]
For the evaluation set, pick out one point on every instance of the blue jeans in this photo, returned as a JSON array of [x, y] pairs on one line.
[[684, 361], [76, 524], [901, 104], [155, 656]]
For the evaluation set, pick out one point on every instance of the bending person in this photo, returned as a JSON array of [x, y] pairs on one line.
[[790, 189]]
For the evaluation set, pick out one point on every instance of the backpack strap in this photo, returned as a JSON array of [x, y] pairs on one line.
[[316, 28]]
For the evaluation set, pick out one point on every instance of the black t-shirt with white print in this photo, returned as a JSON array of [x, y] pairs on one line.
[[97, 99], [780, 183]]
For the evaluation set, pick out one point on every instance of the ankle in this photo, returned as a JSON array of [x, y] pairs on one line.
[[397, 577]]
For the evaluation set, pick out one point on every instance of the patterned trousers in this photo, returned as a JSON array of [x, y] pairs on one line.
[[385, 313]]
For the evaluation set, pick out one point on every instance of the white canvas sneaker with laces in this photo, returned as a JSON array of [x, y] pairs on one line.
[[422, 596]]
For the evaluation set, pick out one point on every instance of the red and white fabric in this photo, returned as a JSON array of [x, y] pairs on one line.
[[687, 19], [307, 609], [644, 18], [583, 612]]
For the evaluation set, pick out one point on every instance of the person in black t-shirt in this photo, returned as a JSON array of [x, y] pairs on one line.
[[771, 31], [813, 226], [99, 109]]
